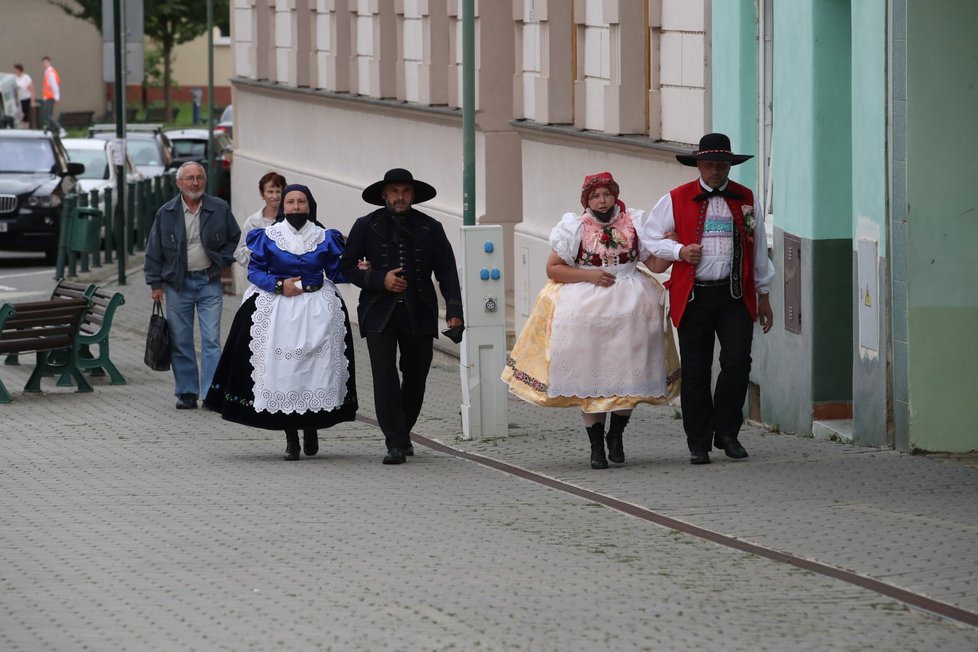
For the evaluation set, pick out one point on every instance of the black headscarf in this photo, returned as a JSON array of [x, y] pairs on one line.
[[280, 216]]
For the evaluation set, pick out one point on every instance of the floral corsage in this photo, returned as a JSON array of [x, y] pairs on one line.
[[611, 238], [750, 221]]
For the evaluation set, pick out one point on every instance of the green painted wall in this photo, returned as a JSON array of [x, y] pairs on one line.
[[870, 391], [942, 96], [734, 44], [812, 136], [868, 110]]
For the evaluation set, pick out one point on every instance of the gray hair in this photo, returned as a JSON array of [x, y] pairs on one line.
[[188, 164]]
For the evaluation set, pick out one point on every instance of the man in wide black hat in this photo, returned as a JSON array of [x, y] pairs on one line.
[[719, 286], [398, 307]]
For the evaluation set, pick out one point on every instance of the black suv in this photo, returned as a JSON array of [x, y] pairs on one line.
[[35, 176]]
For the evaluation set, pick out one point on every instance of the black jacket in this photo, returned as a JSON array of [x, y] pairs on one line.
[[166, 247], [422, 249]]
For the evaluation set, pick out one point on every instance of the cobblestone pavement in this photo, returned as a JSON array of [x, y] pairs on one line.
[[129, 525]]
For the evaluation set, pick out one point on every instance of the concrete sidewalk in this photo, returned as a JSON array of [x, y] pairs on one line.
[[127, 524]]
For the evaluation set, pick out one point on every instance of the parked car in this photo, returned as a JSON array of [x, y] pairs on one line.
[[99, 158], [146, 143], [191, 145], [226, 123], [35, 176]]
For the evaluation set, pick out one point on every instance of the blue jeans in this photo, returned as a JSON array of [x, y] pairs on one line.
[[206, 296]]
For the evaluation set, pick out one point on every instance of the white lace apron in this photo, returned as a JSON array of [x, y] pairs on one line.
[[298, 351]]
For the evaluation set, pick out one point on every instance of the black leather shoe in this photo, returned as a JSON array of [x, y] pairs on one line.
[[187, 402], [731, 447], [409, 450], [395, 456], [699, 458]]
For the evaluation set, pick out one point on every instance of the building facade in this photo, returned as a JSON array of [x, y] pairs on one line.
[[841, 99], [862, 110]]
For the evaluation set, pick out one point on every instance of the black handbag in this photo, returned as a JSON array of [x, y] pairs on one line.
[[157, 355]]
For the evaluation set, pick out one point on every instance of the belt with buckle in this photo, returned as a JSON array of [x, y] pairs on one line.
[[312, 288], [712, 284]]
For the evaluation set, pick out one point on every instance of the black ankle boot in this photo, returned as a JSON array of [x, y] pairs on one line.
[[291, 445], [595, 435], [616, 451], [310, 441]]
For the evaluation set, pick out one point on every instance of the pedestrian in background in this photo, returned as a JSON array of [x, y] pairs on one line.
[[288, 360], [192, 239], [25, 93], [595, 337], [270, 188], [50, 91], [398, 308], [719, 286]]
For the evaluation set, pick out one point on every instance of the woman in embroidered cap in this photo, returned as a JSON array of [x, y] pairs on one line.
[[288, 360], [595, 337]]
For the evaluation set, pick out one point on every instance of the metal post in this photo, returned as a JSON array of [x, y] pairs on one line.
[[95, 203], [211, 181], [120, 134], [468, 112], [107, 228]]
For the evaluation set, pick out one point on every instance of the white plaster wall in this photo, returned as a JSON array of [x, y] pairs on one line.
[[682, 68], [338, 149]]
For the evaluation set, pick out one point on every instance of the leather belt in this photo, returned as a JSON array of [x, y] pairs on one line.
[[712, 284], [312, 288]]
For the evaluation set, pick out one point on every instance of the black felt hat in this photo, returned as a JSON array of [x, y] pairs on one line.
[[373, 194], [713, 147]]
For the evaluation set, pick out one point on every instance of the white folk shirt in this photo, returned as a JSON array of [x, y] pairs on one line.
[[717, 241]]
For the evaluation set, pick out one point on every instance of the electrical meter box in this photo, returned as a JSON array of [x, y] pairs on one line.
[[483, 350]]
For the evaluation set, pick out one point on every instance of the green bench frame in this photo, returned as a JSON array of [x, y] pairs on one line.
[[94, 331], [45, 328]]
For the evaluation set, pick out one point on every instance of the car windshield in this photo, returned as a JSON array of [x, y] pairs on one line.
[[189, 148], [95, 161], [228, 114], [26, 155], [143, 152]]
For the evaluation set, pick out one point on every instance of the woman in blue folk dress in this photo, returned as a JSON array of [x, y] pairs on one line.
[[288, 359]]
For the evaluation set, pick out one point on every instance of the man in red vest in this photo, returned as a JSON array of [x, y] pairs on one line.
[[719, 287], [50, 91]]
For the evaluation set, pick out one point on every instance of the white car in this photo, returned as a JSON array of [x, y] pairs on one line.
[[98, 156]]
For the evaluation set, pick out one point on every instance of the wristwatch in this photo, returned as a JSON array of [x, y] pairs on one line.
[[279, 286]]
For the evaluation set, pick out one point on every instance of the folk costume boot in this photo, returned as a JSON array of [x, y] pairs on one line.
[[595, 435], [310, 441], [616, 451], [291, 445]]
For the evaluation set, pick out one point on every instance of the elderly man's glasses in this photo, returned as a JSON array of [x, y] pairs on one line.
[[194, 179]]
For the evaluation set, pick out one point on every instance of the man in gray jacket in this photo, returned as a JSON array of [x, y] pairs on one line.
[[192, 239]]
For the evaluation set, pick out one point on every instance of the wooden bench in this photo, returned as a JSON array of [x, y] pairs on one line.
[[44, 328], [94, 330], [76, 119], [65, 289], [158, 114]]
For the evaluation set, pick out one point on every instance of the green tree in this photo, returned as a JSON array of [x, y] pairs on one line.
[[168, 23]]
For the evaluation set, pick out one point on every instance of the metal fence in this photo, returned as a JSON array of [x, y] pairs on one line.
[[93, 233]]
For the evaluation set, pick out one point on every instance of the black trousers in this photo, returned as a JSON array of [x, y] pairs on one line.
[[714, 315], [398, 398]]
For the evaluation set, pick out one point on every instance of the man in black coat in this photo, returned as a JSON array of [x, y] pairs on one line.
[[398, 307]]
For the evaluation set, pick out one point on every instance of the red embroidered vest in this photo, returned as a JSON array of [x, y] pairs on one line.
[[690, 216]]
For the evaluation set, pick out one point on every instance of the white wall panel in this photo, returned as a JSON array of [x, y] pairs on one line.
[[683, 15]]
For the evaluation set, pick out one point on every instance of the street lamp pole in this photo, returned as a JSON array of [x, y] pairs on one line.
[[211, 183], [468, 112]]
